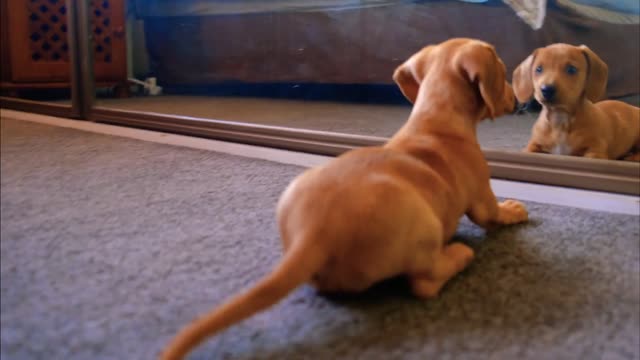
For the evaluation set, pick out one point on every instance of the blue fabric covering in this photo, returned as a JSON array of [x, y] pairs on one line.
[[154, 8], [623, 6]]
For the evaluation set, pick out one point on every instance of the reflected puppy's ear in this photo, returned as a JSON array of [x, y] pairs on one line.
[[597, 75]]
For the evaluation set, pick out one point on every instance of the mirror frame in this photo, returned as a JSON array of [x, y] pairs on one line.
[[591, 174]]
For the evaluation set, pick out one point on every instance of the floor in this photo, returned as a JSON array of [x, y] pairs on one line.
[[109, 244]]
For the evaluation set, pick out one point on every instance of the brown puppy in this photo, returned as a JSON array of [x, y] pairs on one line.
[[568, 80], [378, 212]]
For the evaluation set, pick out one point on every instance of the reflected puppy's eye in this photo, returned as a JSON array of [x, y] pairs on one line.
[[571, 70], [539, 69]]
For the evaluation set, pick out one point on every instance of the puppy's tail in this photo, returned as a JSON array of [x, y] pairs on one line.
[[299, 264]]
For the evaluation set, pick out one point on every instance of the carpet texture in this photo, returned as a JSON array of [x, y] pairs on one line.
[[109, 245]]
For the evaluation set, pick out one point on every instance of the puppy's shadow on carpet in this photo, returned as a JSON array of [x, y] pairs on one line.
[[512, 287]]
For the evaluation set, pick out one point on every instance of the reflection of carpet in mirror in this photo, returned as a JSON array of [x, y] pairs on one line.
[[509, 132]]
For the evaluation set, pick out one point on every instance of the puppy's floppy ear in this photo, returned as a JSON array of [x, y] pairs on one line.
[[521, 80], [481, 66], [408, 76], [405, 79], [597, 75]]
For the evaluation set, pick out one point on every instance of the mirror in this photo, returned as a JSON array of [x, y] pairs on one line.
[[327, 65]]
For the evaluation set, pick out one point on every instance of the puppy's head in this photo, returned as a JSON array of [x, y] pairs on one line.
[[560, 76], [453, 68]]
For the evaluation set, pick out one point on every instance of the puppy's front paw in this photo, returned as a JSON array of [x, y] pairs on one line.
[[595, 155], [512, 212], [532, 148]]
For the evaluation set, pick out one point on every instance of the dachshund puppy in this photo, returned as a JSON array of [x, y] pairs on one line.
[[568, 81], [380, 212]]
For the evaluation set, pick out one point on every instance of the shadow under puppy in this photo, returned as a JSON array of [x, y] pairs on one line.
[[378, 212], [568, 81]]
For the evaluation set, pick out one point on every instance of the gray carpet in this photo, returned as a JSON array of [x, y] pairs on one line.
[[109, 245]]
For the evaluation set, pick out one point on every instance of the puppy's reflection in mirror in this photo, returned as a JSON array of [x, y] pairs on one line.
[[569, 82]]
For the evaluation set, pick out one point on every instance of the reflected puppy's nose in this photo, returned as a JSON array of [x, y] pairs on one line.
[[548, 92]]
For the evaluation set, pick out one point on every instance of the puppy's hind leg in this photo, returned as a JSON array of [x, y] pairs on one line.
[[451, 260], [433, 261]]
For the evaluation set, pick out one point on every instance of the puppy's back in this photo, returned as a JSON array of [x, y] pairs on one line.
[[624, 120]]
